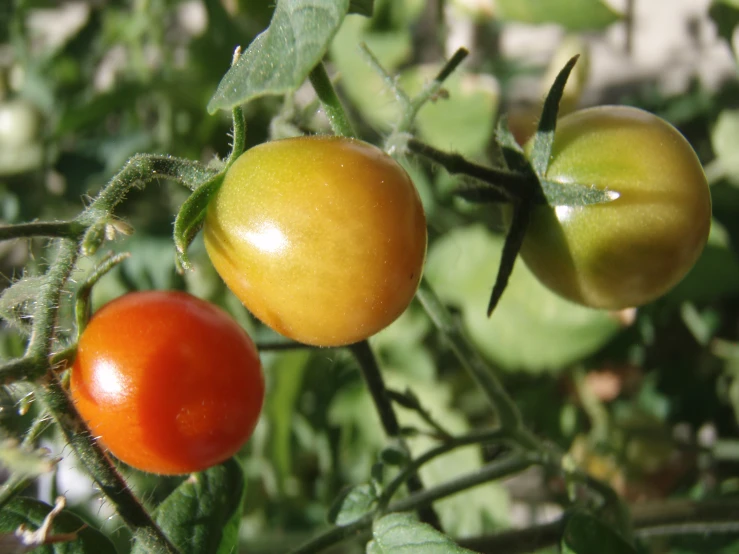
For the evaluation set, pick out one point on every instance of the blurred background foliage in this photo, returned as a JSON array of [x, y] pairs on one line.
[[647, 400]]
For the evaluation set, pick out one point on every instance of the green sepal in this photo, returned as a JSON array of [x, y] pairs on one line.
[[511, 247], [543, 140], [191, 217], [574, 194]]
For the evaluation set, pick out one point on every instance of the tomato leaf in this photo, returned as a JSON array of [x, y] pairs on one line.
[[352, 504], [541, 150], [202, 515], [400, 533], [362, 7], [191, 216], [73, 534], [573, 15], [459, 266], [584, 533], [298, 36]]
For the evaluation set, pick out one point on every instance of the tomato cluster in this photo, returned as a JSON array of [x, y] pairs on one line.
[[324, 240]]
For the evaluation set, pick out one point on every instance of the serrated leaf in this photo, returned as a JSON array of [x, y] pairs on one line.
[[190, 218], [362, 7], [16, 300], [573, 15], [352, 504], [402, 534], [83, 539], [203, 514], [279, 60], [584, 534], [459, 267]]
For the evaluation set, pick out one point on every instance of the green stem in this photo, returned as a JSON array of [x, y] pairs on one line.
[[335, 112], [406, 104], [384, 406], [510, 184], [47, 301], [480, 437], [239, 135], [509, 417], [431, 90], [667, 518], [82, 302], [53, 396], [489, 472], [58, 229]]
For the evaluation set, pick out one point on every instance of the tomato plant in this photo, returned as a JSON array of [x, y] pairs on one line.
[[629, 251], [168, 382], [322, 238]]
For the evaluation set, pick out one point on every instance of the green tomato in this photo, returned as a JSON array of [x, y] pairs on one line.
[[634, 249]]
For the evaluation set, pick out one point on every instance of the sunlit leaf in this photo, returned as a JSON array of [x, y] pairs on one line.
[[280, 59]]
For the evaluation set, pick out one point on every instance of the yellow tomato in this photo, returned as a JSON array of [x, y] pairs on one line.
[[322, 238]]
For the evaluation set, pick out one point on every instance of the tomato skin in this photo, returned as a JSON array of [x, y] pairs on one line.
[[632, 250], [168, 383], [321, 238]]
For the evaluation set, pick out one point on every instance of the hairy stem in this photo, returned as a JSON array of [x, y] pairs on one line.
[[53, 396], [335, 112], [52, 229]]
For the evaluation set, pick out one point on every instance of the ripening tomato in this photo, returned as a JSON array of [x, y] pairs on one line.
[[322, 238], [168, 382], [632, 250]]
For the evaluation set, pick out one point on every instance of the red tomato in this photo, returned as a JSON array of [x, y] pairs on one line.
[[167, 382]]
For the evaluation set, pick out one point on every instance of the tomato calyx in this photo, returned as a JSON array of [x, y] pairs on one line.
[[520, 179]]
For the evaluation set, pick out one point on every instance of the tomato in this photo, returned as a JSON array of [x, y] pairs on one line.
[[632, 250], [322, 238], [168, 382]]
